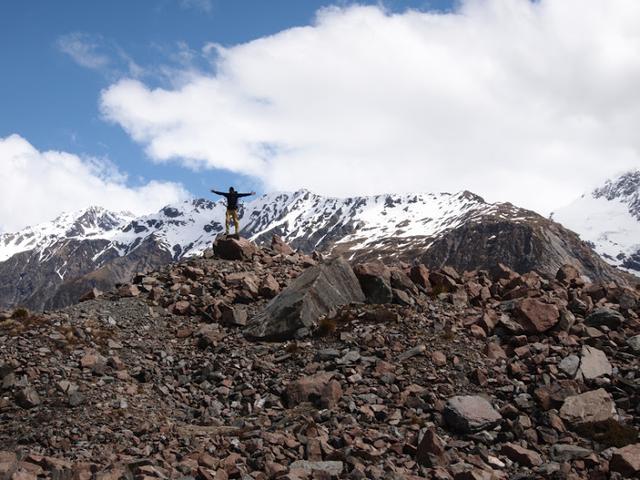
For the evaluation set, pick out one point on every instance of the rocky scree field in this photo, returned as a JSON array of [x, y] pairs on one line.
[[403, 373]]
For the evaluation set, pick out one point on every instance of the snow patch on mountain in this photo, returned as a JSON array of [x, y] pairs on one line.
[[609, 219]]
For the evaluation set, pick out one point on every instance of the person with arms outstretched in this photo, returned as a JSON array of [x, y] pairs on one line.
[[232, 207]]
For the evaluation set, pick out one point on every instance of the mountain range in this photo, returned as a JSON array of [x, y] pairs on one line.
[[54, 263]]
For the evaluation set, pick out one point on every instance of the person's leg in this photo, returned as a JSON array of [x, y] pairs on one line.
[[235, 221], [227, 221]]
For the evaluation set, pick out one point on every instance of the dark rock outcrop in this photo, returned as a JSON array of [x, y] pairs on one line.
[[148, 256], [530, 243]]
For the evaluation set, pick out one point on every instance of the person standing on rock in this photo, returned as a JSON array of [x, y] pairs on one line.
[[232, 207]]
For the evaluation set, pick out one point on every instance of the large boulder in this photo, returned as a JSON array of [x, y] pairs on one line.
[[466, 413], [536, 316], [375, 280], [313, 294], [234, 248]]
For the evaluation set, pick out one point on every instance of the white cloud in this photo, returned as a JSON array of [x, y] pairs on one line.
[[530, 102], [84, 49], [37, 186], [97, 53]]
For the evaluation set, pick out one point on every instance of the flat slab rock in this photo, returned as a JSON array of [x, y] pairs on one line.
[[589, 408], [470, 413], [567, 452], [313, 294], [593, 363], [333, 468], [522, 455]]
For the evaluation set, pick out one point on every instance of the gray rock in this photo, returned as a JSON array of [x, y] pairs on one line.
[[412, 352], [604, 316], [327, 354], [310, 296], [352, 356], [466, 413], [634, 343], [566, 452], [593, 363], [75, 399], [570, 365]]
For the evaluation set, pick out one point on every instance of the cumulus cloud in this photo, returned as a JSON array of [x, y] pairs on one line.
[[529, 102], [38, 186]]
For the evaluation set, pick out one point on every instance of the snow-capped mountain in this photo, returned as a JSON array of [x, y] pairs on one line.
[[303, 219], [51, 264], [609, 219]]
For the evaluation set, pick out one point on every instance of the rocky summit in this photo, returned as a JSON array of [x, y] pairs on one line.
[[251, 362]]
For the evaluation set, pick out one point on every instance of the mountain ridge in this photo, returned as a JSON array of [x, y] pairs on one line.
[[436, 229]]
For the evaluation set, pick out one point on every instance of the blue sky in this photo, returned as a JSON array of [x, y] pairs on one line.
[[52, 101], [135, 104]]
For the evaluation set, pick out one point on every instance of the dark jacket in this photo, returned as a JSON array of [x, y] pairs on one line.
[[232, 198]]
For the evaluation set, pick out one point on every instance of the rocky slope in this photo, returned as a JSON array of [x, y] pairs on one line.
[[51, 265], [486, 375], [609, 219]]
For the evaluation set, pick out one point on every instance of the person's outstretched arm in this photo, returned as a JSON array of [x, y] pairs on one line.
[[219, 193], [246, 194]]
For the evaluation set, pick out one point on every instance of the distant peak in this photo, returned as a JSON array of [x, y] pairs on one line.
[[625, 185], [467, 195]]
